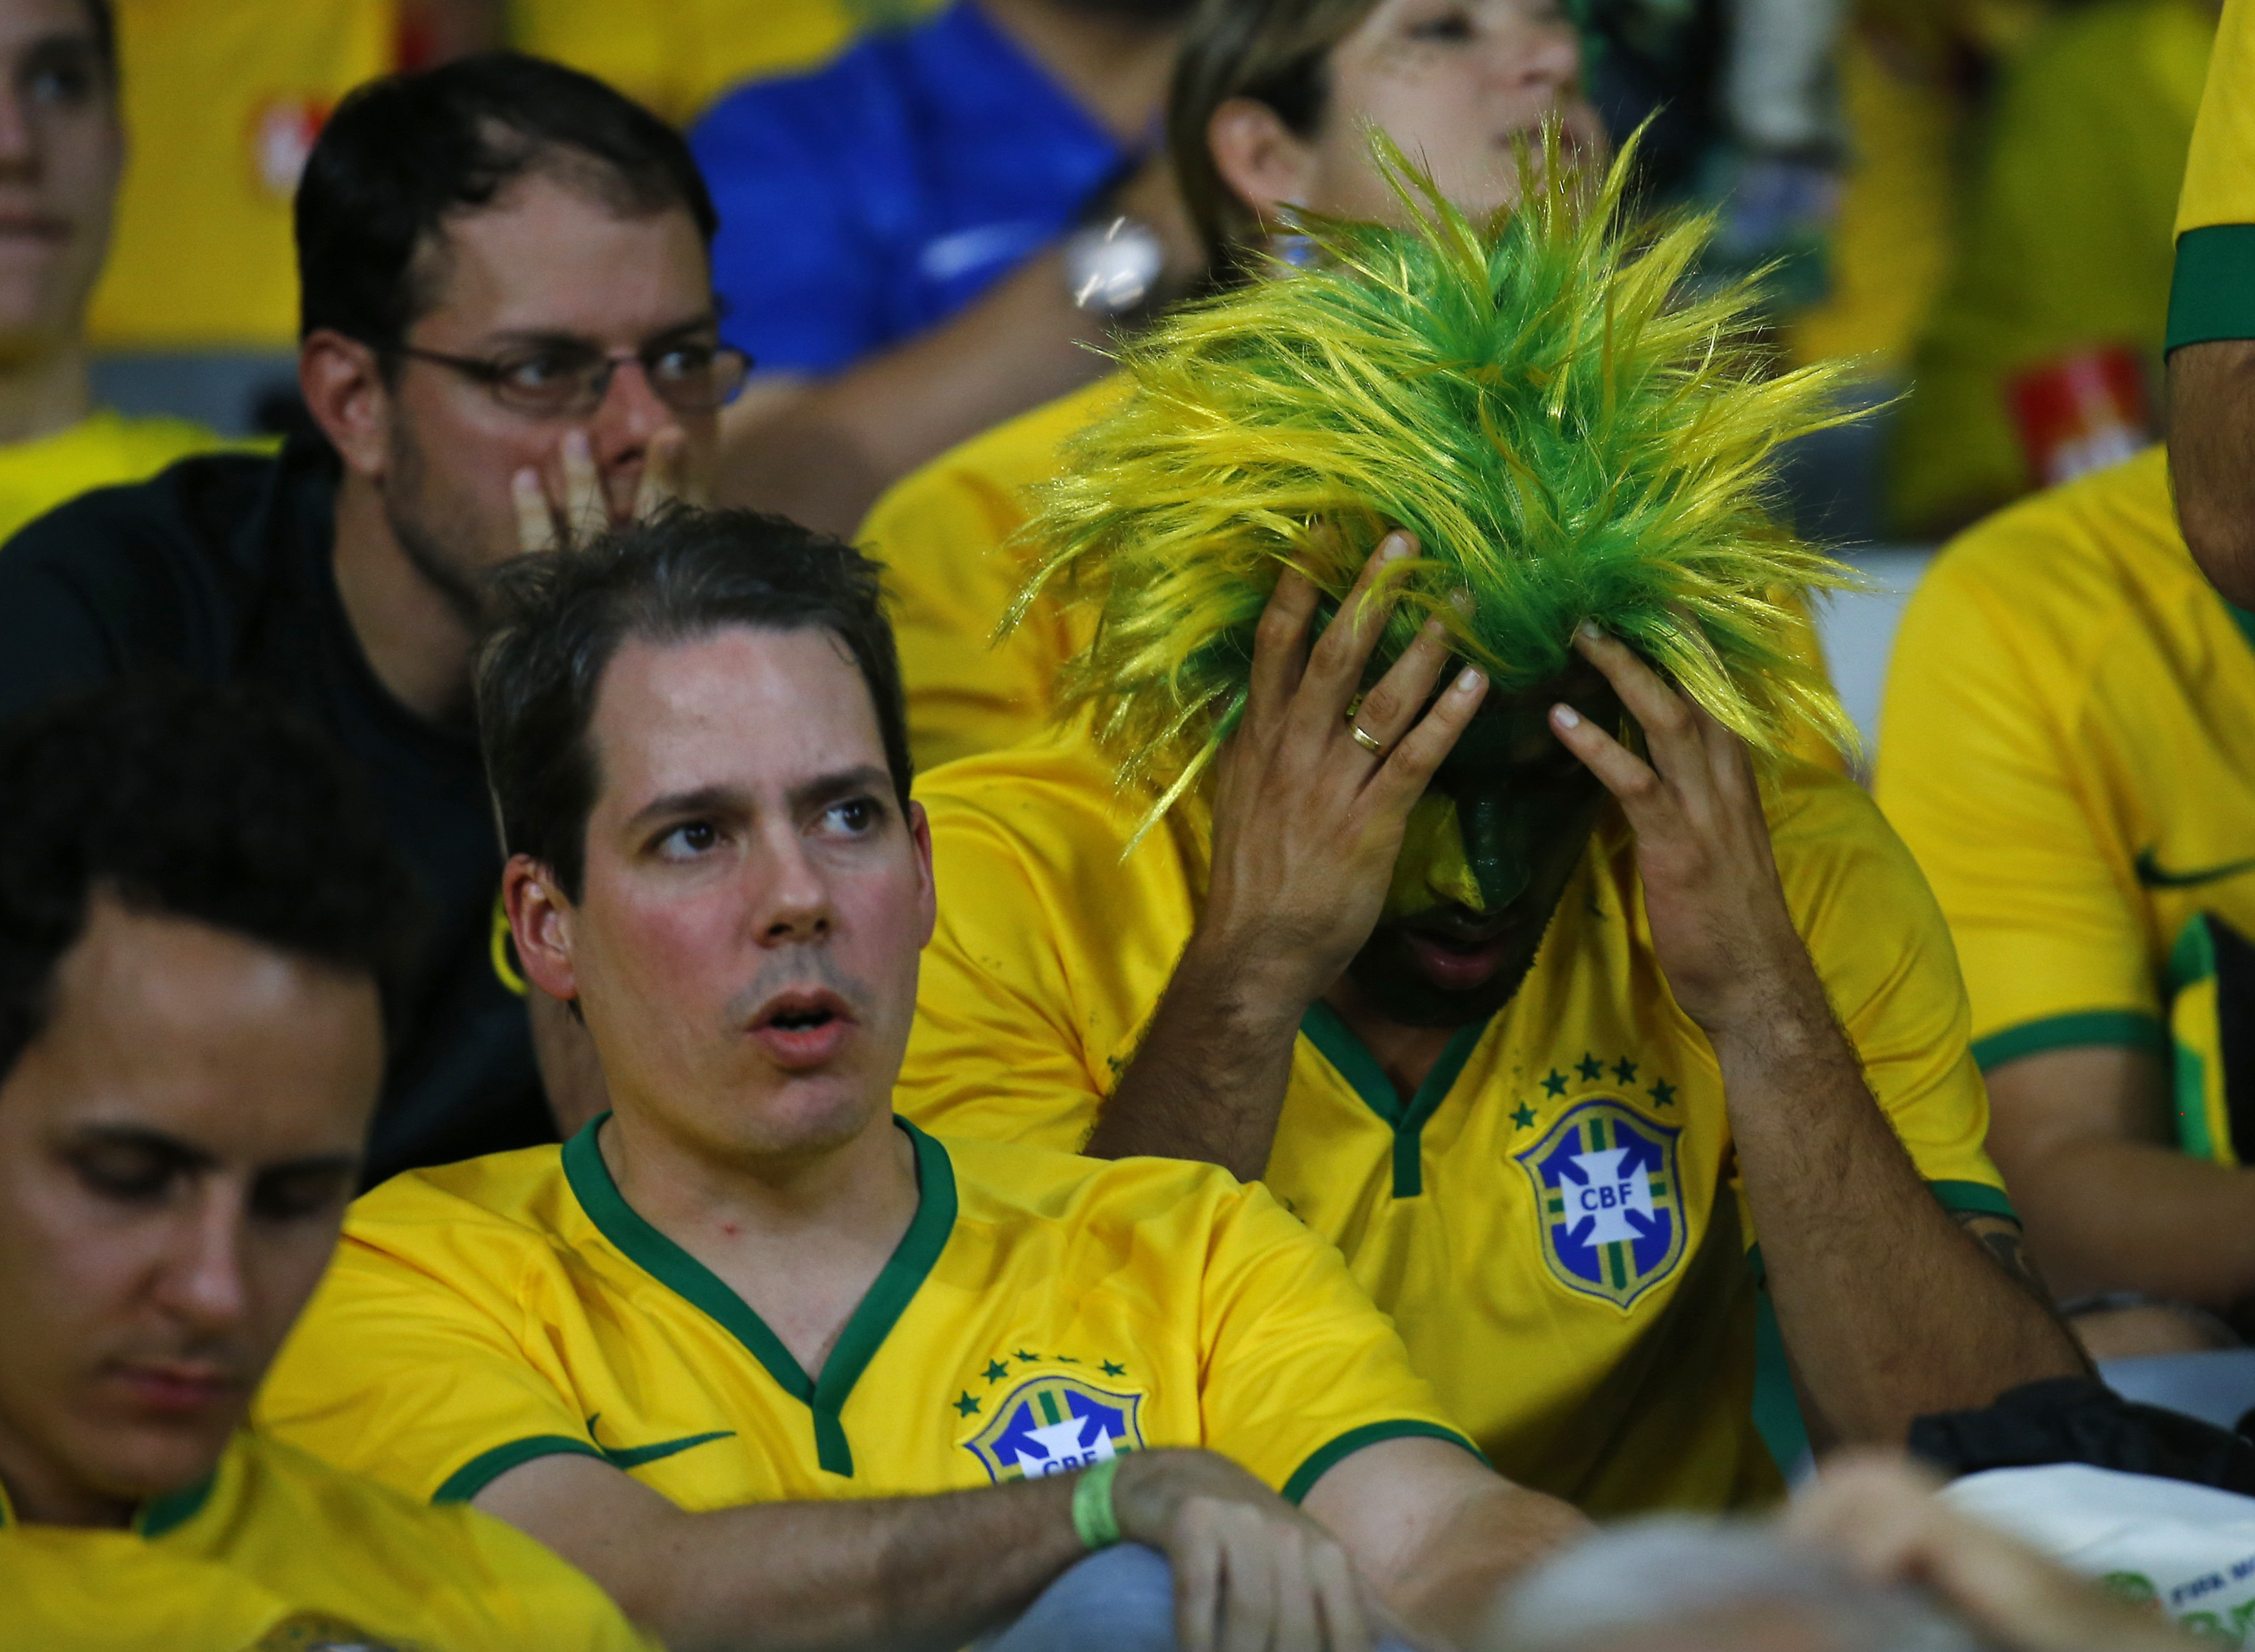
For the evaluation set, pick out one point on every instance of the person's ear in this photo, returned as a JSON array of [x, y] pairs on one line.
[[1263, 161], [540, 920], [343, 384], [927, 886]]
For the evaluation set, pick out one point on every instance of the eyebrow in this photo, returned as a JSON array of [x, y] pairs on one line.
[[551, 339], [729, 800]]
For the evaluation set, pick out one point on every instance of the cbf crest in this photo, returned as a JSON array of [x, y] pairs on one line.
[[1053, 1425], [1610, 1199]]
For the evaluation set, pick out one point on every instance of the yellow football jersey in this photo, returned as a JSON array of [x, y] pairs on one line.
[[947, 534], [2069, 747], [1042, 1312], [1552, 1220], [675, 56], [100, 451], [277, 1551], [222, 102], [2213, 293], [949, 537]]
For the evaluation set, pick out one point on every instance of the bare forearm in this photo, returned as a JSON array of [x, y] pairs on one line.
[[1208, 1081], [2116, 1215], [827, 454], [1889, 1309], [897, 1572], [2212, 458], [1450, 1590]]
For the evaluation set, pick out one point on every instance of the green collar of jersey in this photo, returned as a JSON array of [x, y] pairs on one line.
[[2246, 623], [679, 1272], [154, 1518], [1339, 1045]]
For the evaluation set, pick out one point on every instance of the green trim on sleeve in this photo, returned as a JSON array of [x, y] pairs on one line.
[[1336, 1043], [1304, 1477], [2212, 288], [486, 1468], [1973, 1198], [691, 1280], [2132, 1027]]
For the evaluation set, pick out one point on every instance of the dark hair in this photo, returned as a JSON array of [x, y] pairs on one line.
[[195, 801], [401, 153], [1275, 52], [678, 577], [103, 21]]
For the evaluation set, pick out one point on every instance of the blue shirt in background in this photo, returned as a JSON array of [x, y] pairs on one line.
[[866, 201]]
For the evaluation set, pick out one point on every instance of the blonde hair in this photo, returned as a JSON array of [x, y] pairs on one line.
[[1571, 429]]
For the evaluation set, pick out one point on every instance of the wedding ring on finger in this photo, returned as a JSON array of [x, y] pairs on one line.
[[1363, 738]]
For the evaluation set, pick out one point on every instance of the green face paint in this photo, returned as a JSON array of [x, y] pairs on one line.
[[1488, 852]]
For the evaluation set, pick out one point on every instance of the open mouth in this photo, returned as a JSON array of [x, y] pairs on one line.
[[801, 1029], [1462, 955]]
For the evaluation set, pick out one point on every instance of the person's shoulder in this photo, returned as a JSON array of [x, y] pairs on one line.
[[1012, 1180], [1821, 822], [191, 509], [2060, 562], [490, 1568], [513, 1197], [1058, 781], [1001, 465]]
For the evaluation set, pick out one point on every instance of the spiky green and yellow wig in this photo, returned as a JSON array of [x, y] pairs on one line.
[[1570, 431]]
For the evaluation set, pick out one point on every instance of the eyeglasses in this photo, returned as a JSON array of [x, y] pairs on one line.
[[560, 381]]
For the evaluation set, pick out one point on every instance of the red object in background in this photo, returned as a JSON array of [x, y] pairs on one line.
[[415, 40], [2081, 413]]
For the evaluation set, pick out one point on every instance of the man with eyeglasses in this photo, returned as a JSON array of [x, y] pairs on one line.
[[509, 337]]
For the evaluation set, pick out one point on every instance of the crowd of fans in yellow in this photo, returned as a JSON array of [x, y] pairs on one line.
[[1052, 1060]]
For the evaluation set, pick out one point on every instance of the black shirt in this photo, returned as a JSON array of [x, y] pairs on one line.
[[222, 568]]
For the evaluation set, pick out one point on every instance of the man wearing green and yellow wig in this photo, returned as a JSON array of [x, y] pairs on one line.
[[1417, 842]]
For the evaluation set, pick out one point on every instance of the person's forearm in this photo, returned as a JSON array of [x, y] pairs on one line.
[[826, 452], [1447, 1591], [881, 1574], [2116, 1215], [2211, 435], [1889, 1310], [1208, 1080]]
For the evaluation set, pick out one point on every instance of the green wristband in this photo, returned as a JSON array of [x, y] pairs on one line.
[[1094, 1520]]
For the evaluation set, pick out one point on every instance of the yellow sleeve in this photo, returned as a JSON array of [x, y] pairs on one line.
[[400, 1371], [1975, 772], [1302, 1370], [996, 1052], [950, 570], [2213, 293], [1883, 951]]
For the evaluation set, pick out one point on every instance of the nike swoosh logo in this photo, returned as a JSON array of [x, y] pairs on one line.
[[2154, 875], [635, 1456]]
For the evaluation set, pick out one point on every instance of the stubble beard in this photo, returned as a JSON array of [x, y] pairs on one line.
[[407, 510]]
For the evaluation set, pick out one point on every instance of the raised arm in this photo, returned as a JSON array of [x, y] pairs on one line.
[[895, 1574], [1889, 1308], [1307, 825]]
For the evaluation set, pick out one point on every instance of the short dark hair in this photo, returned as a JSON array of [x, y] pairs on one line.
[[195, 801], [682, 576], [401, 153]]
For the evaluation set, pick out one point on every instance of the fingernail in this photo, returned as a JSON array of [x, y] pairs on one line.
[[1434, 628], [1588, 631], [1567, 716], [1469, 680], [1461, 600], [1395, 548], [575, 443], [526, 481]]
